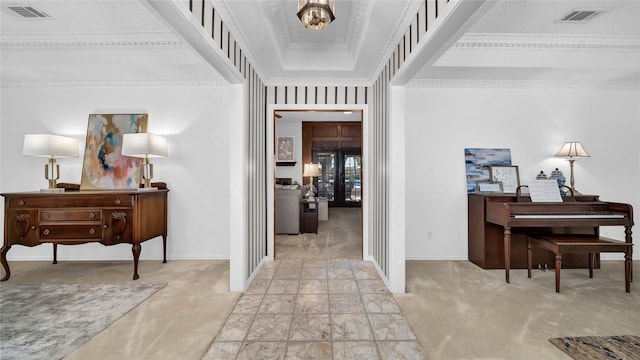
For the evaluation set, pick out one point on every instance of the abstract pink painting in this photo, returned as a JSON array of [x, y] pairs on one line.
[[104, 168]]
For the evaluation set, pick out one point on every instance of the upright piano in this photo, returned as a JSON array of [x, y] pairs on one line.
[[498, 224]]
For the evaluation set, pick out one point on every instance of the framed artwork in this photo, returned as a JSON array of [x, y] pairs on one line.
[[488, 186], [104, 168], [285, 149], [478, 162], [507, 176]]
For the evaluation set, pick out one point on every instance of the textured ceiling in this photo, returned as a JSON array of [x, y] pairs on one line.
[[525, 43], [118, 42]]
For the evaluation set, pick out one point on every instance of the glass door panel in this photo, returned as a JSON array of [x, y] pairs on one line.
[[326, 161], [352, 168], [340, 176]]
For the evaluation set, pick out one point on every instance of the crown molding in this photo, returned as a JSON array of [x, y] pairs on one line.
[[521, 84], [552, 41], [111, 84], [138, 40]]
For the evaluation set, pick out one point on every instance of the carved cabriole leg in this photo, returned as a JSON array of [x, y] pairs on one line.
[[507, 252], [628, 240], [136, 256], [55, 253], [558, 267], [3, 260]]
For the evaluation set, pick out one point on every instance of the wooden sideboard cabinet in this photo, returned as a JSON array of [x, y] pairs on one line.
[[78, 217]]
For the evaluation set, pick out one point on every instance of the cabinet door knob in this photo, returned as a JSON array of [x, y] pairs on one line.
[[46, 232], [105, 226]]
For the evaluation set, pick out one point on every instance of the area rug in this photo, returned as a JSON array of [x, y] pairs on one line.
[[624, 347], [48, 321]]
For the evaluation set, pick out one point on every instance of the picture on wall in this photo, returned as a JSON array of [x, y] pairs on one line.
[[479, 161], [104, 168], [285, 149]]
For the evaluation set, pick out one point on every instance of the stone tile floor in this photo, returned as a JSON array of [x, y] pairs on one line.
[[316, 309]]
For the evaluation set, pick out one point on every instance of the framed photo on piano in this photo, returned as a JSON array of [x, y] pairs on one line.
[[506, 175], [489, 187]]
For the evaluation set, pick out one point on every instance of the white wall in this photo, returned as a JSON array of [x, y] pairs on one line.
[[195, 120], [534, 124], [291, 128]]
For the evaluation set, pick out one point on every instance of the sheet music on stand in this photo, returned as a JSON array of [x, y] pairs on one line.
[[544, 191]]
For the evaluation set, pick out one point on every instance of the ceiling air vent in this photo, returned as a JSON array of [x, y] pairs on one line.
[[580, 15], [27, 12]]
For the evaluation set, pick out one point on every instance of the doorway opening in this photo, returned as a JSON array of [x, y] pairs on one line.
[[341, 184]]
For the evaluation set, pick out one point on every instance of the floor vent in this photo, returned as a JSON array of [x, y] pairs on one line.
[[580, 15], [27, 12]]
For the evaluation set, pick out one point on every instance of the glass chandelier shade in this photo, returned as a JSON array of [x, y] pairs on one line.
[[316, 14]]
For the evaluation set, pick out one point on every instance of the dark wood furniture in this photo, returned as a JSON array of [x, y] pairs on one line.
[[309, 216], [78, 217], [582, 244], [498, 227]]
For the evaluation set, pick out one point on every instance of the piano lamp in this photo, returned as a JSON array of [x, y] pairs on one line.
[[145, 146], [51, 146], [572, 150], [311, 170]]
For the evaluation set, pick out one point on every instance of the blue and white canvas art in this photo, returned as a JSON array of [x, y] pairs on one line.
[[479, 162]]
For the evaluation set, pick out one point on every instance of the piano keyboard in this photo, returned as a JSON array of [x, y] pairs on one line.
[[569, 216]]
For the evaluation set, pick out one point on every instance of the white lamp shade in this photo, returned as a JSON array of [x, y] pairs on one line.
[[572, 149], [311, 170], [46, 145], [144, 144]]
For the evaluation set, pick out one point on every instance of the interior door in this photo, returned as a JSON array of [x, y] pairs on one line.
[[340, 178]]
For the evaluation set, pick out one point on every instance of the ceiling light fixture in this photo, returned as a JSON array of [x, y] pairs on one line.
[[316, 14]]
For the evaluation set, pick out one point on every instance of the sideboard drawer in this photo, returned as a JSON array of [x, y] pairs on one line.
[[72, 200], [71, 232], [70, 215]]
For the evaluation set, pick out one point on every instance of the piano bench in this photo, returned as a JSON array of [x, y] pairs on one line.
[[589, 244]]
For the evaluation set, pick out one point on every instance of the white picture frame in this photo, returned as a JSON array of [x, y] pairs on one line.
[[508, 176], [489, 187]]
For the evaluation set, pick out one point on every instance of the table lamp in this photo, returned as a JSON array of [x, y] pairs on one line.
[[311, 170], [572, 150], [51, 146], [145, 146]]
